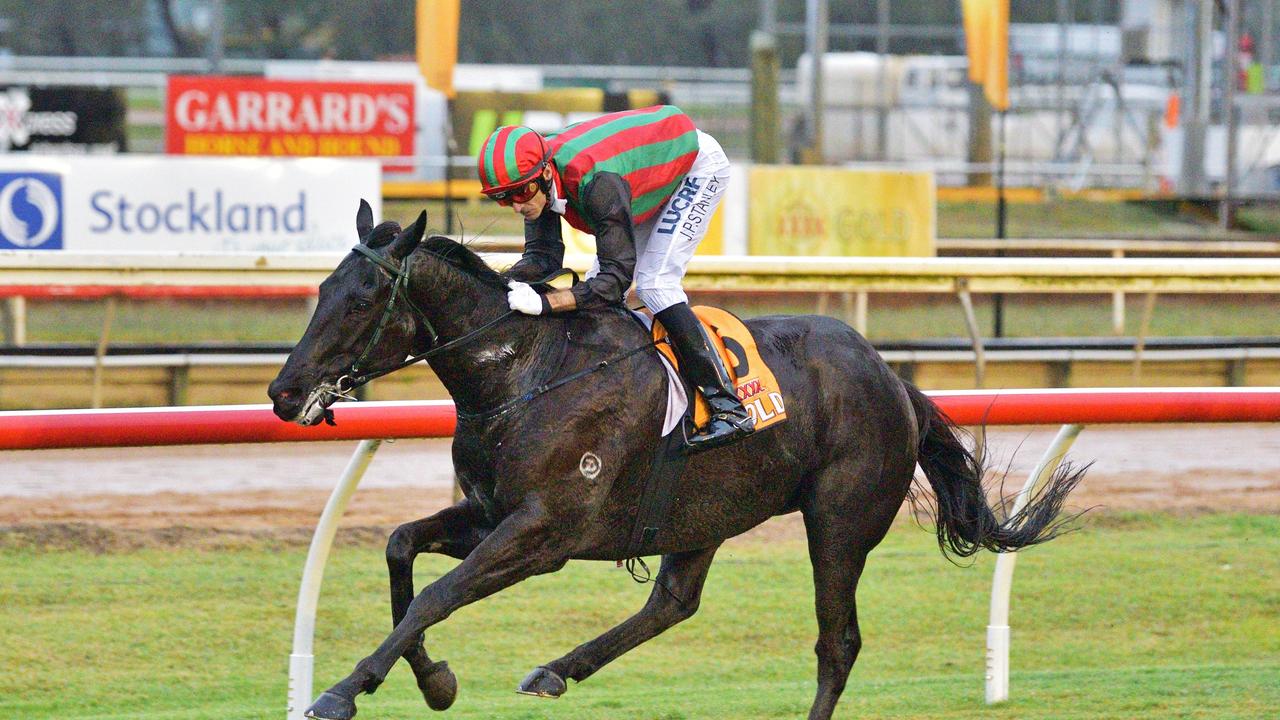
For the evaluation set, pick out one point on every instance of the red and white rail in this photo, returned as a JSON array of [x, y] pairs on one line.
[[138, 427], [26, 430]]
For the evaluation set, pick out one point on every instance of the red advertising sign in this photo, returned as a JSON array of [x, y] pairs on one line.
[[253, 116]]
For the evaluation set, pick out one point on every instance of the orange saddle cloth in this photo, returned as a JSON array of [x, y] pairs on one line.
[[757, 388]]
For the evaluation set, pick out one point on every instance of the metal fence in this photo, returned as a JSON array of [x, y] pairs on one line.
[[1099, 130]]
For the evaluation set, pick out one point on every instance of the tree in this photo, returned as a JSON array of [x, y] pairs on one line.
[[101, 27]]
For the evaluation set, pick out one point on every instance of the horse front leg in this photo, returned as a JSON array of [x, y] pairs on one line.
[[454, 531], [676, 594], [527, 543]]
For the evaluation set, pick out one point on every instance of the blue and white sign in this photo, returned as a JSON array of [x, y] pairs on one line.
[[192, 204], [30, 211]]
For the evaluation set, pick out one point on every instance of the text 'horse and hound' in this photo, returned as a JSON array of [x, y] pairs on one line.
[[558, 475]]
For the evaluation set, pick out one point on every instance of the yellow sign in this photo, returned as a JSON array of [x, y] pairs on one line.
[[811, 211]]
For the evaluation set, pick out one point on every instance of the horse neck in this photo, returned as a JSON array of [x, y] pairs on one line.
[[496, 363]]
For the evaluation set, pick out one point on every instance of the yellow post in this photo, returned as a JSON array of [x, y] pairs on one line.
[[986, 30], [437, 45], [437, 26]]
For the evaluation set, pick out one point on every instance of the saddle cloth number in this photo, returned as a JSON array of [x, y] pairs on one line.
[[757, 388]]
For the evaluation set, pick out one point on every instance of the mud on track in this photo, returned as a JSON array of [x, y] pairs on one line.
[[215, 496]]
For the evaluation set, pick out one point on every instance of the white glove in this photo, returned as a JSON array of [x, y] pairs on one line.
[[524, 298]]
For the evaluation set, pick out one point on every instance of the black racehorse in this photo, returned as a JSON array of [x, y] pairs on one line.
[[552, 476]]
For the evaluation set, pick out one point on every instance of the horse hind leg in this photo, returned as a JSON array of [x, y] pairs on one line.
[[847, 511], [839, 640], [676, 593], [451, 532]]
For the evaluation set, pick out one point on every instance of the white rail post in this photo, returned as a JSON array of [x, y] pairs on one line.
[[1002, 582], [302, 660], [975, 335], [1117, 301], [16, 322]]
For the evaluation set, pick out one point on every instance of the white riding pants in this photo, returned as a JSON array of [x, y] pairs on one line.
[[666, 241]]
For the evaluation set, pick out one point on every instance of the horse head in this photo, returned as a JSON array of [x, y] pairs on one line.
[[363, 321]]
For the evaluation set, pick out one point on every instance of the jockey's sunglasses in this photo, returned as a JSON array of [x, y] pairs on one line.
[[522, 194]]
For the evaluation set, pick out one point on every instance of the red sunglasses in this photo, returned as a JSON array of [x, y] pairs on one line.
[[516, 195]]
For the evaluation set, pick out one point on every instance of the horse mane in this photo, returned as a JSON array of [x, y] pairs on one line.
[[463, 258], [382, 235]]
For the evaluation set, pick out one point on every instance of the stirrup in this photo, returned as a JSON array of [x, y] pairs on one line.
[[723, 429]]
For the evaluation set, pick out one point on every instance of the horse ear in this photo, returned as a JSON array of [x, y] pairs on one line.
[[408, 239], [364, 220]]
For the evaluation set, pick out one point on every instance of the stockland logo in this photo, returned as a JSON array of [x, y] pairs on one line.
[[30, 211]]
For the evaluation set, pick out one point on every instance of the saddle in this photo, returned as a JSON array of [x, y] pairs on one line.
[[754, 381], [757, 389]]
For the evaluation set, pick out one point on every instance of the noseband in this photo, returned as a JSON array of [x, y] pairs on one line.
[[355, 377]]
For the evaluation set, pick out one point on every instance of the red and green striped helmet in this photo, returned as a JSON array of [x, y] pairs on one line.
[[512, 156]]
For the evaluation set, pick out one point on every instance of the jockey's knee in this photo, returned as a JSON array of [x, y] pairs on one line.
[[659, 299]]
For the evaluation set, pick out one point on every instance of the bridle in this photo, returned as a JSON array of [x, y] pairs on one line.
[[355, 376]]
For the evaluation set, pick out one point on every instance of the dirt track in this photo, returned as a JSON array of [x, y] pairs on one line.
[[197, 494]]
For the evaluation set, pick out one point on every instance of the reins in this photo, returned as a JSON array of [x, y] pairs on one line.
[[400, 276], [545, 388]]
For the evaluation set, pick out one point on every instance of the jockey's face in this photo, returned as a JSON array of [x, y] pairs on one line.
[[533, 208]]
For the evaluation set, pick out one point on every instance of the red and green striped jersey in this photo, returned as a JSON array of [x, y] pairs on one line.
[[651, 148]]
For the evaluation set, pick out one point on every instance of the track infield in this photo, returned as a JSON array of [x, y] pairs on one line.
[[1137, 616]]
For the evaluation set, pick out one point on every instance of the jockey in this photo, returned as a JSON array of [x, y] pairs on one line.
[[644, 182]]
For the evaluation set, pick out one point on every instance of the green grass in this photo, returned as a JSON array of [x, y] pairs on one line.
[[1071, 316], [168, 321], [1135, 616], [1261, 218], [1068, 219], [891, 317], [1054, 219]]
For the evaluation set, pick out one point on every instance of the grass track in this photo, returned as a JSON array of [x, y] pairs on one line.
[[1136, 616], [891, 317]]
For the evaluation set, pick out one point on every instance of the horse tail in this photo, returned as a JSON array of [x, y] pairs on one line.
[[964, 522]]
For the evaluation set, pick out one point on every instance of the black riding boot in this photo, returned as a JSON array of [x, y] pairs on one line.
[[700, 364]]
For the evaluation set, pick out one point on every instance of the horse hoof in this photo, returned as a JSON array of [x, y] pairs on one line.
[[331, 707], [440, 687], [542, 683]]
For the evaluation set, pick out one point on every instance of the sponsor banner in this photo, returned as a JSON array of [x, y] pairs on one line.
[[207, 115], [836, 211], [166, 204], [62, 119]]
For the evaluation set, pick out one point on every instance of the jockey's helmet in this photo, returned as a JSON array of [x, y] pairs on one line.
[[510, 158]]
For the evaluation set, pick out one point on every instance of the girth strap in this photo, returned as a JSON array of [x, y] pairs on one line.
[[659, 493]]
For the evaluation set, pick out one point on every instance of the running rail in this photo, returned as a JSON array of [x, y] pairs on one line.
[[26, 269], [374, 421], [224, 424]]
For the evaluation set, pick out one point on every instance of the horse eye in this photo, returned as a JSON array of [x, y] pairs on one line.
[[359, 306]]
